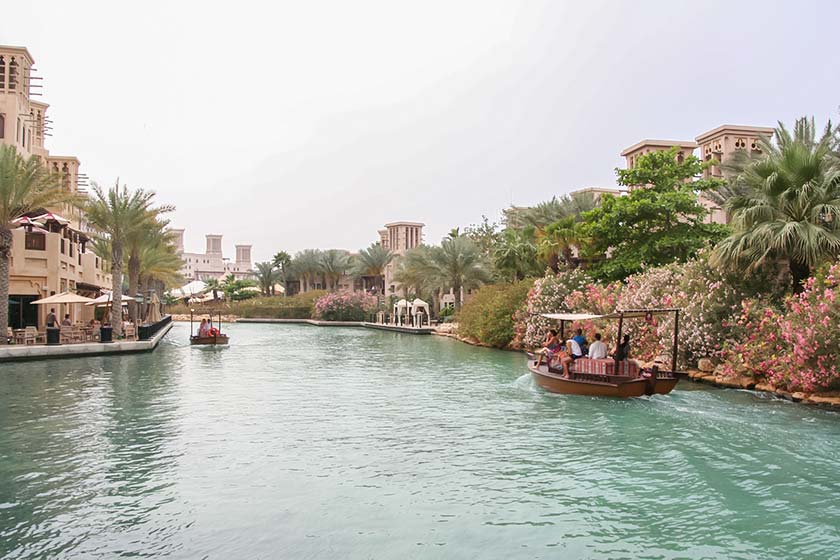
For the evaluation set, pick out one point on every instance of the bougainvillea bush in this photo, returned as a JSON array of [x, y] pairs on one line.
[[488, 316], [344, 306], [548, 295], [796, 348]]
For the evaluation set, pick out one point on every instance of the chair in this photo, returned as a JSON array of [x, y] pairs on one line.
[[30, 335], [69, 334], [129, 331]]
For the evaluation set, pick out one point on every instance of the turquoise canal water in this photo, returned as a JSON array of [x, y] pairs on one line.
[[306, 442]]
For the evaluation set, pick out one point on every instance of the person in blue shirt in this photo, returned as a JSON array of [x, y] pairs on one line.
[[581, 340]]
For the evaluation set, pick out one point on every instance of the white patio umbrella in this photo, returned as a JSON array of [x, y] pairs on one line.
[[105, 300], [62, 298], [193, 288]]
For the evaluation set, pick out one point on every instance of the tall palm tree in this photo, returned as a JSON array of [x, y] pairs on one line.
[[267, 276], [25, 186], [160, 265], [282, 261], [149, 234], [458, 263], [117, 214], [372, 262], [334, 263], [516, 254], [307, 266], [558, 240], [789, 206]]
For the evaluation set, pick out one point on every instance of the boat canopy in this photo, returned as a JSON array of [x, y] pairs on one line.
[[627, 314]]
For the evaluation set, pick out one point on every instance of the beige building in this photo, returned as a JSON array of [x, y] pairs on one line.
[[212, 263], [717, 145], [56, 258]]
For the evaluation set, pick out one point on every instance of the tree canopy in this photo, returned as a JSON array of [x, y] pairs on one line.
[[658, 222]]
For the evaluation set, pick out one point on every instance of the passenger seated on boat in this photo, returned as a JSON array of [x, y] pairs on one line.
[[622, 351], [573, 352], [598, 350], [204, 328], [550, 349], [582, 342]]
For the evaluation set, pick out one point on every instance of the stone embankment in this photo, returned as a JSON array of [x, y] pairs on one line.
[[707, 372], [199, 316]]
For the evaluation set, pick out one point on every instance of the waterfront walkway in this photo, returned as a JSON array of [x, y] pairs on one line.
[[20, 352]]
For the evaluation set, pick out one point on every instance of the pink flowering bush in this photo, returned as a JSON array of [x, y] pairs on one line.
[[710, 304], [344, 306], [795, 349], [548, 295], [596, 299]]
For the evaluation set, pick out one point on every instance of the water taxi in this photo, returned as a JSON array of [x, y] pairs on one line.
[[215, 336], [607, 377]]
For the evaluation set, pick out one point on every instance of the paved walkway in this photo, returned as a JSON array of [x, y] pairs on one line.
[[21, 352]]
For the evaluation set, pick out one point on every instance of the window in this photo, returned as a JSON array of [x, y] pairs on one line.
[[2, 117], [2, 73], [62, 246], [35, 241]]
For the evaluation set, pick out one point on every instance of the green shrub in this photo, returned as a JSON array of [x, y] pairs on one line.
[[298, 306], [489, 315]]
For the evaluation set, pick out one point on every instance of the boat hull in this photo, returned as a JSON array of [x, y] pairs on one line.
[[612, 386], [209, 340]]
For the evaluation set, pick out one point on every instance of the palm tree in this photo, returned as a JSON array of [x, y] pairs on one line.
[[307, 265], [550, 211], [160, 265], [458, 264], [214, 285], [25, 186], [282, 261], [372, 262], [118, 214], [149, 234], [334, 264], [267, 276], [516, 254], [789, 206], [417, 274], [558, 240]]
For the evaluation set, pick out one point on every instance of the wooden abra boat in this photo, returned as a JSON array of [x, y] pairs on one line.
[[607, 377], [216, 336]]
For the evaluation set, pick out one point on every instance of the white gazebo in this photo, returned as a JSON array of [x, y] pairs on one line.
[[418, 307], [400, 308]]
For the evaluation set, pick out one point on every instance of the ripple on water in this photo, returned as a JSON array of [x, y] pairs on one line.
[[304, 442]]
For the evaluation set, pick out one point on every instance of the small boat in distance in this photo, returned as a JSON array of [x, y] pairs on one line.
[[214, 337], [607, 377]]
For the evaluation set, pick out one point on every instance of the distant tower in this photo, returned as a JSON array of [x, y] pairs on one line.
[[403, 236], [214, 244], [243, 256], [178, 238]]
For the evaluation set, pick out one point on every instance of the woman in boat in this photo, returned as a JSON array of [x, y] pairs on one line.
[[622, 351], [550, 349], [573, 352], [204, 328]]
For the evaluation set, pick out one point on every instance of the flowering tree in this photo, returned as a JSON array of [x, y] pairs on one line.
[[547, 296], [344, 306], [795, 349]]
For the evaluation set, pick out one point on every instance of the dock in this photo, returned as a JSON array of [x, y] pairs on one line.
[[25, 352]]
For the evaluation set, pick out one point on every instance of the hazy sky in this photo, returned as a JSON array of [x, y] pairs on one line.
[[311, 124]]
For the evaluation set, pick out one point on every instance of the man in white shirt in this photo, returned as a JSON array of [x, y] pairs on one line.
[[597, 350]]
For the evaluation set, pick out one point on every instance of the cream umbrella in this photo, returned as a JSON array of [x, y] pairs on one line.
[[154, 310], [62, 298], [105, 300]]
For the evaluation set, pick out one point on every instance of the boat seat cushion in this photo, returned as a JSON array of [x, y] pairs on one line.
[[605, 366]]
